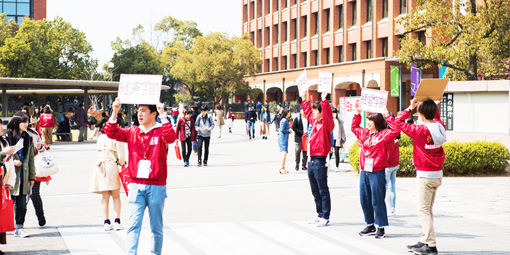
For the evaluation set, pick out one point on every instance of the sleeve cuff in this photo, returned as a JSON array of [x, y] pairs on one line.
[[111, 121]]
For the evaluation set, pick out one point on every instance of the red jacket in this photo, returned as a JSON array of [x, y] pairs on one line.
[[426, 155], [392, 149], [374, 146], [141, 145], [175, 111], [320, 137], [181, 129], [46, 120]]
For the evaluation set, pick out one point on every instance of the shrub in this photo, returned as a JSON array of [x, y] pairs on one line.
[[354, 156], [405, 141]]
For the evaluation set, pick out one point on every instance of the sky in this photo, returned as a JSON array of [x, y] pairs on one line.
[[103, 20]]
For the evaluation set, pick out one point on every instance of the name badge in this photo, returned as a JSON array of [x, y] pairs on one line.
[[369, 164], [144, 169]]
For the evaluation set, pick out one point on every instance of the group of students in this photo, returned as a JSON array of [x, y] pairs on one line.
[[18, 173], [379, 162]]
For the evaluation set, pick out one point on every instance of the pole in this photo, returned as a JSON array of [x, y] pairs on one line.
[[5, 103], [284, 95], [86, 103], [402, 96], [363, 78]]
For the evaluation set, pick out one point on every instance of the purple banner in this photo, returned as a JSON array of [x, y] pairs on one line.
[[415, 79]]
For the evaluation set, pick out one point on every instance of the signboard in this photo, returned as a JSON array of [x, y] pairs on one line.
[[415, 79], [302, 83], [139, 88], [374, 100], [446, 110], [346, 111], [395, 81], [325, 82], [431, 89]]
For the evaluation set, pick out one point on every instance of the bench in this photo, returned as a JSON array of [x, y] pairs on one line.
[[65, 137]]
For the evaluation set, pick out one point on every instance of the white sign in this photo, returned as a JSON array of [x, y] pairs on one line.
[[139, 88], [325, 80], [302, 83], [374, 100]]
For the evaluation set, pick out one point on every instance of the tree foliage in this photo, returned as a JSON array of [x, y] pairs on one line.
[[471, 39], [43, 49], [214, 66], [138, 59]]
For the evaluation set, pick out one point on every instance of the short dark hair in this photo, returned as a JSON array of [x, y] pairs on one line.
[[378, 119], [428, 108], [204, 107], [152, 107], [285, 111], [317, 105], [46, 109], [188, 112], [80, 105]]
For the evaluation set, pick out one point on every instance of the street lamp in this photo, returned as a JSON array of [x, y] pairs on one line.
[[111, 65]]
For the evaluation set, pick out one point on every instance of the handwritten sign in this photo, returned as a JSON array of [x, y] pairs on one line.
[[374, 100], [325, 80], [139, 88], [302, 83]]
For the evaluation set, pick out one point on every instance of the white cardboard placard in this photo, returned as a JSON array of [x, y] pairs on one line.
[[139, 88], [302, 83], [325, 80], [374, 100]]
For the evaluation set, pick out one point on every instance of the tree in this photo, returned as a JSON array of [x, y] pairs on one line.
[[138, 59], [214, 66], [471, 39], [43, 49]]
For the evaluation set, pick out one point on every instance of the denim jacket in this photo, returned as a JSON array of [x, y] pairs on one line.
[[201, 124]]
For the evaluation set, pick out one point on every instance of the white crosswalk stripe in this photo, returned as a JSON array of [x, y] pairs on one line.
[[267, 237]]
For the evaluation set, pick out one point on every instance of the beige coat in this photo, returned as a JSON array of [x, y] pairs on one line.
[[111, 154], [10, 175], [219, 118]]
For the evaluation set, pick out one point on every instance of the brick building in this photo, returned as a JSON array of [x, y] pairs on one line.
[[354, 39], [18, 9]]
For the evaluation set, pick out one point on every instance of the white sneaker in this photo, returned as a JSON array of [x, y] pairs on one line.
[[117, 226], [20, 233], [107, 227], [322, 222], [314, 220]]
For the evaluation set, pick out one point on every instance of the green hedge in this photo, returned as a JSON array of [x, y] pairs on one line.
[[461, 158]]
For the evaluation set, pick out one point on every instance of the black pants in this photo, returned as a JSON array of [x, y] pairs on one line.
[[337, 156], [186, 149], [298, 151], [36, 200], [20, 207], [201, 141]]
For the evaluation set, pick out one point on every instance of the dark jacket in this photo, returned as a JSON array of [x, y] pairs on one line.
[[297, 127], [181, 129], [81, 117], [250, 116]]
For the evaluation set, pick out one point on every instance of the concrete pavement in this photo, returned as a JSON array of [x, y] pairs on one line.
[[239, 204]]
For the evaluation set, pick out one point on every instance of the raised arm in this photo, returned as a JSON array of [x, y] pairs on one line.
[[168, 135], [359, 132], [307, 111], [112, 130], [327, 113]]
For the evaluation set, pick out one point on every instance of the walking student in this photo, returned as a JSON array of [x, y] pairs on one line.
[[391, 171], [47, 124], [299, 132], [105, 178], [428, 158], [186, 134], [81, 121], [230, 119], [204, 127], [283, 139], [250, 118], [321, 119], [147, 146], [219, 121], [265, 119], [373, 161], [338, 138]]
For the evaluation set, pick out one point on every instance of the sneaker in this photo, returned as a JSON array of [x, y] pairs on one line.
[[314, 220], [117, 226], [186, 164], [21, 233], [380, 233], [417, 245], [297, 167], [199, 163], [205, 163], [369, 230], [253, 136], [42, 221], [322, 222], [425, 250], [107, 227]]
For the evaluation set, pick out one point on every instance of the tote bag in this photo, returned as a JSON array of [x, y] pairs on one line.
[[44, 165], [178, 152], [6, 211]]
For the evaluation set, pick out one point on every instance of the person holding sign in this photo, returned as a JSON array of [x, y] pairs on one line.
[[147, 146], [428, 157], [373, 161], [321, 118]]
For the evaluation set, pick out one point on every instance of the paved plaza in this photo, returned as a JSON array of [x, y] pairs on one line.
[[239, 204]]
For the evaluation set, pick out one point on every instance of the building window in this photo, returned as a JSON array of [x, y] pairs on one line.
[[369, 49], [284, 4], [266, 65], [340, 54], [353, 52], [304, 23], [266, 7], [422, 37], [315, 57], [16, 9], [316, 21], [384, 8], [369, 10], [403, 6], [327, 19], [266, 37], [340, 16], [304, 59], [384, 43], [259, 37], [284, 31], [275, 64], [277, 5], [259, 8], [294, 24], [353, 9], [245, 12], [284, 63], [326, 55], [294, 61], [276, 34]]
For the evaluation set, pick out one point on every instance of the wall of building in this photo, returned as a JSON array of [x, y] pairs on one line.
[[39, 9]]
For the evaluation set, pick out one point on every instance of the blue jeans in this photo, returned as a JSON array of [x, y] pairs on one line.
[[318, 177], [175, 119], [141, 196], [372, 189], [391, 176], [251, 128]]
